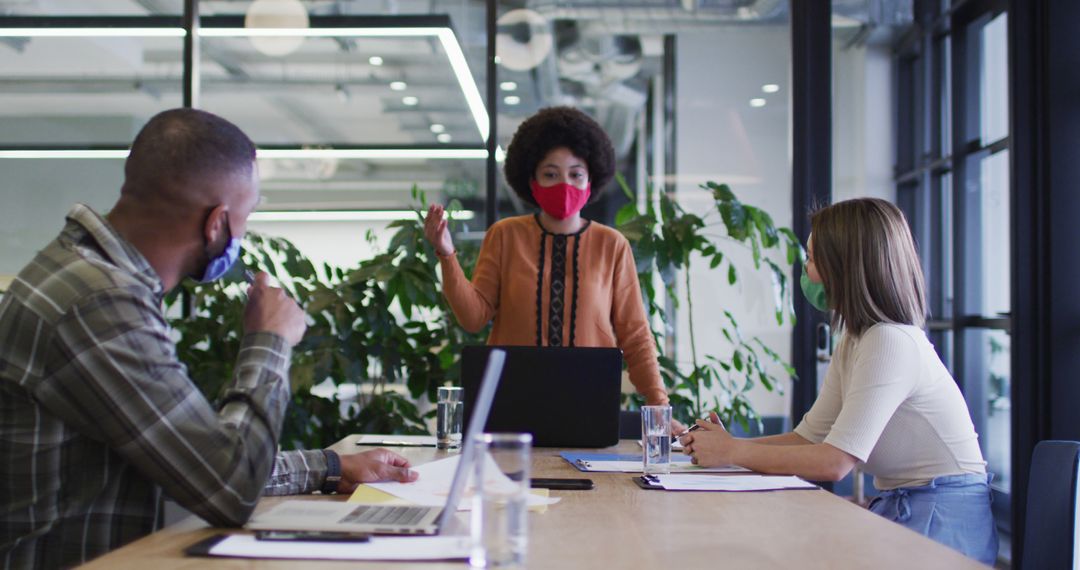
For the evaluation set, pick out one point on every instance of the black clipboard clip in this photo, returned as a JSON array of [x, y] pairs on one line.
[[648, 482]]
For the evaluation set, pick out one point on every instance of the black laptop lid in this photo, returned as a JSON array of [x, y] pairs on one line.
[[564, 397]]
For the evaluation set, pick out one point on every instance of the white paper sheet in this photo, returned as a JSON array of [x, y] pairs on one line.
[[684, 482], [379, 548], [676, 467], [433, 486], [396, 440]]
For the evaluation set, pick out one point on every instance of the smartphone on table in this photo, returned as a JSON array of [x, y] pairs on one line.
[[311, 536]]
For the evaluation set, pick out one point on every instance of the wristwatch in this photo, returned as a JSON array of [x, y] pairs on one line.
[[333, 472]]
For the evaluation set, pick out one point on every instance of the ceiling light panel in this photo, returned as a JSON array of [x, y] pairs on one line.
[[443, 83]]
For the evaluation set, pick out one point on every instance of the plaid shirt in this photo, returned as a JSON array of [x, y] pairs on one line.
[[98, 417]]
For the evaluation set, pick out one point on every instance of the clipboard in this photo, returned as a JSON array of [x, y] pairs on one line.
[[652, 482], [648, 482], [204, 546]]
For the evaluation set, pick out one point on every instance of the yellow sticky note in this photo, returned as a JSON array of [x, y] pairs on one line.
[[545, 493], [367, 495], [371, 496]]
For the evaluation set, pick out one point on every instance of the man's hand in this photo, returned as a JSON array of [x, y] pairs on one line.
[[269, 309], [711, 445], [371, 466]]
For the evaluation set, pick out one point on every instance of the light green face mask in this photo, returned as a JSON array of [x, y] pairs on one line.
[[814, 292]]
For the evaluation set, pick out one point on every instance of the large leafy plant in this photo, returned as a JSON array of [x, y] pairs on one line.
[[667, 240], [382, 328]]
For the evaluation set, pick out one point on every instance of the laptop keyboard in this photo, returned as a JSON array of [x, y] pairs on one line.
[[386, 515]]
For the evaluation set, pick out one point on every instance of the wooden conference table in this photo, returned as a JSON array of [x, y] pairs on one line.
[[620, 526]]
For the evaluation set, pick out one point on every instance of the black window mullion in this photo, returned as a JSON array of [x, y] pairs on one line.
[[958, 52]]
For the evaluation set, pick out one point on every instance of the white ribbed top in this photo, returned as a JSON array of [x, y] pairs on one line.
[[889, 401]]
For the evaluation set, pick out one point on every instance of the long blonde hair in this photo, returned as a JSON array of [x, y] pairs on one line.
[[866, 257]]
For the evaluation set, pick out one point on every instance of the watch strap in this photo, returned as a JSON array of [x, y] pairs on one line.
[[333, 472]]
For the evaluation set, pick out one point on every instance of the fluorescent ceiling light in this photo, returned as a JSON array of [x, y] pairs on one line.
[[63, 154], [347, 216], [468, 85], [375, 60], [770, 88], [446, 36], [375, 153], [398, 85], [384, 32], [301, 153], [757, 102], [92, 32], [444, 138], [438, 128], [512, 100], [508, 85], [449, 41], [410, 101]]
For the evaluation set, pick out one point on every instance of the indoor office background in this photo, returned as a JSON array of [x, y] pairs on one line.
[[792, 104]]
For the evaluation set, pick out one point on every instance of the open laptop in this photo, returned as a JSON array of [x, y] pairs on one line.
[[564, 397], [392, 519]]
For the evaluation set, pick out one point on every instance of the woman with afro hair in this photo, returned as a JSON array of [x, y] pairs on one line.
[[554, 278]]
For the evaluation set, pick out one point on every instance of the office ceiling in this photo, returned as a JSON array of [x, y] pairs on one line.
[[92, 91]]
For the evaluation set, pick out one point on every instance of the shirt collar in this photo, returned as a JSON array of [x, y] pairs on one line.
[[113, 246]]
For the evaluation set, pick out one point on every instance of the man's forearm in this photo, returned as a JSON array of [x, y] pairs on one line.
[[297, 473]]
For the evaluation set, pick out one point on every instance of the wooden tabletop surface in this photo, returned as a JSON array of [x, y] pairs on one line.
[[620, 526]]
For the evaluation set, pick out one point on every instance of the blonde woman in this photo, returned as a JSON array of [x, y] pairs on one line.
[[887, 402]]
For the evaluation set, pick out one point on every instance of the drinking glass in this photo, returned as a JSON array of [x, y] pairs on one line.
[[450, 407], [500, 531], [656, 440]]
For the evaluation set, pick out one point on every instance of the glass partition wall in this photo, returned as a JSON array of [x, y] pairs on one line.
[[351, 105]]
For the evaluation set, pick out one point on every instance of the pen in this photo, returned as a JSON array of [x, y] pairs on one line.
[[694, 427], [396, 443]]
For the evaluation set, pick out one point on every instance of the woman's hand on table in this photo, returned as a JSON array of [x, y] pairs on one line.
[[710, 445]]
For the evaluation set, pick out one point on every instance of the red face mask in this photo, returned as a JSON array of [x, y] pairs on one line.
[[561, 200]]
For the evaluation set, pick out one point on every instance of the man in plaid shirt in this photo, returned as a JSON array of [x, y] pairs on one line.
[[97, 415]]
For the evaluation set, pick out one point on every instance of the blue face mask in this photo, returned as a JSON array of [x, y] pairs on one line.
[[814, 292], [219, 266]]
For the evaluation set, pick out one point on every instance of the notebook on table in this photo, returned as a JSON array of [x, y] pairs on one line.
[[392, 519]]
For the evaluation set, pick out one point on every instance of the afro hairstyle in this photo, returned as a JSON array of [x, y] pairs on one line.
[[555, 127]]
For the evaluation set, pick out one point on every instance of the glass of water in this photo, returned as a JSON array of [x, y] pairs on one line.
[[656, 440], [500, 531], [450, 407]]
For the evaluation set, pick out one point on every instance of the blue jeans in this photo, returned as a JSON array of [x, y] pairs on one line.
[[953, 510]]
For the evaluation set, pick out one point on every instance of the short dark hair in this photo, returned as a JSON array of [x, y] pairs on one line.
[[181, 146], [552, 128]]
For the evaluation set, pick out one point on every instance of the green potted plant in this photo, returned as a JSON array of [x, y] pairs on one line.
[[666, 240], [384, 326]]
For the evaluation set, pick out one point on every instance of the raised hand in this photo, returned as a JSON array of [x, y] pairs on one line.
[[269, 309], [436, 230]]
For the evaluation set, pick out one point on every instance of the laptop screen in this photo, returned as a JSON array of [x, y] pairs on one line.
[[494, 369]]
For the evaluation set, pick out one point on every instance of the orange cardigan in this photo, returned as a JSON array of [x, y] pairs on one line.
[[608, 311]]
